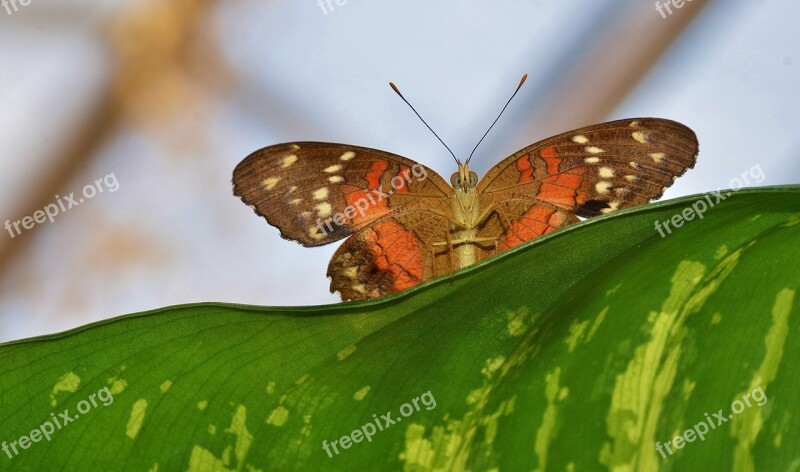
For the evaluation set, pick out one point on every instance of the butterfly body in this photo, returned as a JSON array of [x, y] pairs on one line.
[[464, 218], [405, 224]]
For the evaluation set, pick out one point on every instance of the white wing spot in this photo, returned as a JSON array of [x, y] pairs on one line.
[[351, 272], [321, 193], [316, 233], [333, 168], [294, 147], [323, 209], [592, 160], [306, 214], [292, 188], [606, 172], [580, 139], [635, 165], [639, 136], [347, 156], [593, 150], [336, 179], [631, 178], [621, 191], [288, 160], [270, 182], [296, 201], [657, 157], [360, 288], [602, 187], [612, 206], [634, 124]]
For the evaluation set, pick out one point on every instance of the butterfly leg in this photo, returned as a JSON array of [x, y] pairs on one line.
[[452, 253], [448, 243], [433, 259], [508, 223], [451, 243], [494, 240]]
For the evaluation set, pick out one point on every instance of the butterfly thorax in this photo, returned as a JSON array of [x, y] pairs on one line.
[[465, 199]]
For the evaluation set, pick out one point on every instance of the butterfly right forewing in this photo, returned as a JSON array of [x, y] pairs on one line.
[[597, 169], [585, 172]]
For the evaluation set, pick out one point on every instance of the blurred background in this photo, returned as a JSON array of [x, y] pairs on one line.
[[164, 98]]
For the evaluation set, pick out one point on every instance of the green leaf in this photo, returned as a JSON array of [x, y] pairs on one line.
[[578, 351]]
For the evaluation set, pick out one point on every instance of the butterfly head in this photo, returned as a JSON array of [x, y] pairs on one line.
[[464, 179]]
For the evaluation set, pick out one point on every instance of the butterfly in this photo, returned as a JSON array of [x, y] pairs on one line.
[[406, 224]]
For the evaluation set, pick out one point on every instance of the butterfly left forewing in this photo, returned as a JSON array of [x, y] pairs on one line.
[[318, 193]]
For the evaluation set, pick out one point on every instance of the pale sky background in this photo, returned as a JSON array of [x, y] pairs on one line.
[[258, 73]]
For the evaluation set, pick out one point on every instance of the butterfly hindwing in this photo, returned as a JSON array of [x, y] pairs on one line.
[[597, 169], [317, 193], [515, 221], [391, 255]]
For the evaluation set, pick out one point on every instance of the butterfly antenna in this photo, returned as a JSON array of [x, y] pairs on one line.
[[394, 87], [522, 81]]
